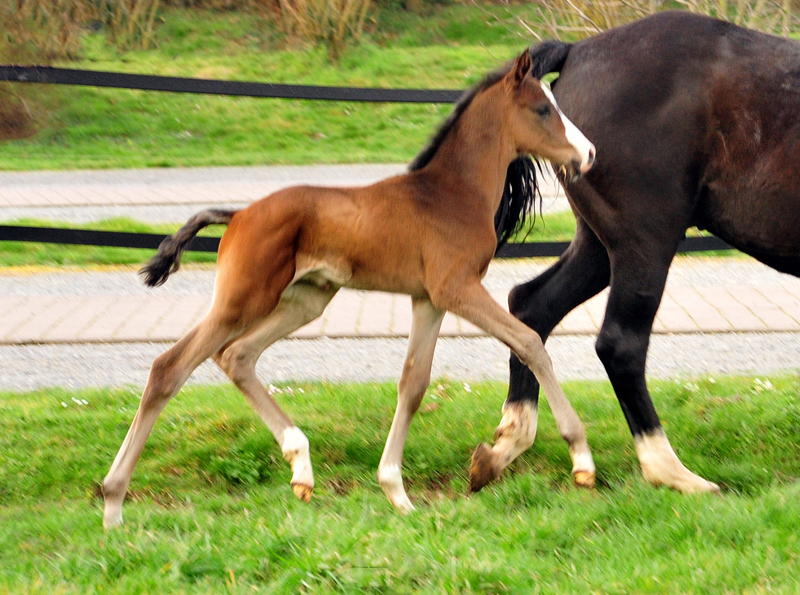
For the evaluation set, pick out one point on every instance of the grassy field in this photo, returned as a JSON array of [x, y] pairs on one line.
[[101, 128], [211, 511]]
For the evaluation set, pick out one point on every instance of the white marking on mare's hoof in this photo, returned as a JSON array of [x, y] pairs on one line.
[[515, 434], [661, 466]]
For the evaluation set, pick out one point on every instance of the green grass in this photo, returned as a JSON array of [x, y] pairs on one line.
[[103, 128], [211, 511]]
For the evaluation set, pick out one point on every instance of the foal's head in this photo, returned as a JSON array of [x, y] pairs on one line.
[[537, 125]]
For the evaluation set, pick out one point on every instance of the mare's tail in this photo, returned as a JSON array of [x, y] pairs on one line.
[[168, 258], [520, 189], [548, 56]]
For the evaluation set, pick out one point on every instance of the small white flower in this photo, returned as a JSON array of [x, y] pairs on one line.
[[467, 388], [63, 404]]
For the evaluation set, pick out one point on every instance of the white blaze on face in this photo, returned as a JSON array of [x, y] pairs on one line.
[[575, 137]]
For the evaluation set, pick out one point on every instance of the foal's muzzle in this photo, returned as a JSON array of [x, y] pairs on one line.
[[579, 166]]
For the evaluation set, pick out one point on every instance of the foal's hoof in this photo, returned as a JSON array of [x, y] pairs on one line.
[[584, 479], [481, 471], [303, 492]]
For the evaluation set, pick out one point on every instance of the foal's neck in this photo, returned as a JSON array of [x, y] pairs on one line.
[[477, 152]]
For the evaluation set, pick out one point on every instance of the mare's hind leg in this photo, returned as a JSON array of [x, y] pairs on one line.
[[167, 374], [474, 303], [581, 272], [622, 346], [301, 303], [426, 321]]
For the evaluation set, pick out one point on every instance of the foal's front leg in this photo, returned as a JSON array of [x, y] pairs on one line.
[[517, 429], [426, 321]]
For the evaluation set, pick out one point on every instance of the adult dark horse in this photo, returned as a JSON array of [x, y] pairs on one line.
[[696, 123]]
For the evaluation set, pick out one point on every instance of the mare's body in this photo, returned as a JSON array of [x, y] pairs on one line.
[[697, 123]]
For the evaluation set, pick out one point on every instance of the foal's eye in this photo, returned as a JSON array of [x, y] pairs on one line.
[[543, 111]]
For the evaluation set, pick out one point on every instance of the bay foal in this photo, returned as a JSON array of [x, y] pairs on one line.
[[429, 234]]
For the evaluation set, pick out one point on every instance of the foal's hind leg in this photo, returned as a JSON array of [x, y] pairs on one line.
[[300, 304], [167, 374], [426, 321], [517, 430]]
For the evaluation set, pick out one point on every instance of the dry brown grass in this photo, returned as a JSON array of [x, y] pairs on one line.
[[130, 23], [52, 29], [49, 29], [333, 23], [576, 19]]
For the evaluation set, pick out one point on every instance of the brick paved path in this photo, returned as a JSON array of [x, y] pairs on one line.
[[134, 318]]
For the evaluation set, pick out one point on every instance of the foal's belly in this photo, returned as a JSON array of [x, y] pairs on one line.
[[339, 271]]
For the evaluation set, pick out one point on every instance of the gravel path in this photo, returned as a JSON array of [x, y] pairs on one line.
[[30, 367]]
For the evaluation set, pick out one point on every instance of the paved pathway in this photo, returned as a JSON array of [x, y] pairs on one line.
[[81, 307], [711, 298]]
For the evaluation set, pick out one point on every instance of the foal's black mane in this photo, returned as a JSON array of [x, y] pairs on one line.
[[519, 193]]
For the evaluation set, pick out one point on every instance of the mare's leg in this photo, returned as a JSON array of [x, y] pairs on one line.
[[426, 321], [167, 374], [639, 280], [301, 303], [581, 272], [474, 303]]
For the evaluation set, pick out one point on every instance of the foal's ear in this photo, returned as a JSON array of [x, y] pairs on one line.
[[522, 66]]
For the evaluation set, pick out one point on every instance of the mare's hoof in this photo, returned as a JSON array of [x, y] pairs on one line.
[[584, 479], [303, 492], [699, 486], [481, 471]]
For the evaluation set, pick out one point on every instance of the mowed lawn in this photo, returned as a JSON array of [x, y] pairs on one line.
[[211, 511], [87, 127]]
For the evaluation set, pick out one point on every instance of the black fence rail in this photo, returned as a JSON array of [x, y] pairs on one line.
[[121, 239], [118, 80], [145, 82]]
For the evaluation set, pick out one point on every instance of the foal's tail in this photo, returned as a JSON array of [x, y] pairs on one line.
[[168, 258]]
